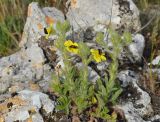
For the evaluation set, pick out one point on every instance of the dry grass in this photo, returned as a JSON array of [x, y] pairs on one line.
[[149, 9]]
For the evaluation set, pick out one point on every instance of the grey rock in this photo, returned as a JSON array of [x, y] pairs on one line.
[[136, 109], [4, 85], [35, 101], [37, 17], [26, 65], [126, 77], [16, 115], [137, 47], [129, 113], [144, 102], [156, 61], [38, 99], [83, 14], [35, 54], [31, 32], [54, 13], [37, 118], [134, 51], [155, 118], [3, 97], [93, 75]]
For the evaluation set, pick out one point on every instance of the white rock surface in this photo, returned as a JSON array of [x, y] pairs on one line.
[[16, 115], [28, 64], [137, 47], [129, 113], [139, 108], [86, 13], [23, 66], [32, 101], [156, 61], [126, 77], [38, 99], [36, 21]]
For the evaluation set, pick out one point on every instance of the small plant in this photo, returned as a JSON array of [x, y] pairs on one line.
[[76, 94], [108, 91]]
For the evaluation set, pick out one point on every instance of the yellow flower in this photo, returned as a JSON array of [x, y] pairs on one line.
[[71, 46], [48, 31], [98, 55], [94, 100]]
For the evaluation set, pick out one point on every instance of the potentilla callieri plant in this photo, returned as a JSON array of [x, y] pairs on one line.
[[76, 95]]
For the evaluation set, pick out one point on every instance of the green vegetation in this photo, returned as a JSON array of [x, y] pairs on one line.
[[76, 94]]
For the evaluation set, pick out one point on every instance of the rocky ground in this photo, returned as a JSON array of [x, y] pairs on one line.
[[25, 77]]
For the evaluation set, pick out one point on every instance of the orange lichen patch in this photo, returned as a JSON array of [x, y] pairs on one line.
[[29, 119], [1, 119], [3, 108], [7, 105], [34, 87], [32, 110], [16, 101], [40, 26], [49, 20], [29, 11], [73, 3]]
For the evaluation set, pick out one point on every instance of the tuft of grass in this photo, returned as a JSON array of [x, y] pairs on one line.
[[150, 11]]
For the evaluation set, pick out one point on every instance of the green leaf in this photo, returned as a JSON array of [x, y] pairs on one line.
[[66, 26], [116, 95], [127, 38], [100, 38], [63, 104], [62, 27], [59, 26]]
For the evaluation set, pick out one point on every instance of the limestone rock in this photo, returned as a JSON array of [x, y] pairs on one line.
[[137, 47], [86, 13], [36, 21], [28, 64], [26, 105], [156, 61], [23, 66], [138, 104], [126, 77]]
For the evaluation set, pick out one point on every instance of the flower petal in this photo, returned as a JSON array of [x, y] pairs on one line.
[[103, 58], [75, 44], [94, 51], [98, 57], [49, 30], [68, 43]]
